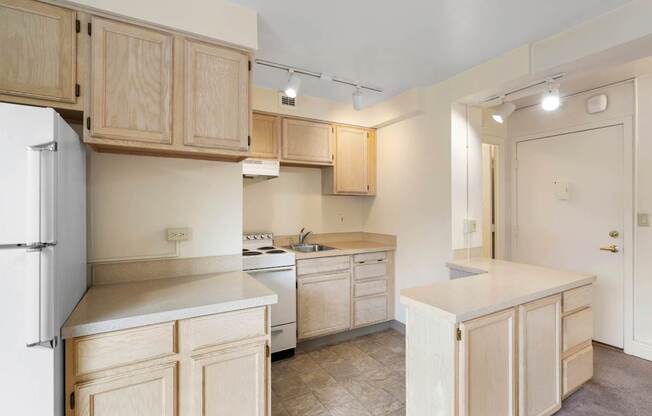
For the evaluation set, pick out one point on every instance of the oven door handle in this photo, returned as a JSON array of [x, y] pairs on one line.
[[276, 269]]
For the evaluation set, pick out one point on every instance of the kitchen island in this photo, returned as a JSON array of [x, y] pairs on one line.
[[510, 339]]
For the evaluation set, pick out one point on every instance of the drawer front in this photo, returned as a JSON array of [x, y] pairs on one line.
[[577, 328], [369, 310], [369, 257], [372, 287], [577, 370], [577, 298], [284, 337], [323, 265], [116, 349], [367, 271], [213, 330]]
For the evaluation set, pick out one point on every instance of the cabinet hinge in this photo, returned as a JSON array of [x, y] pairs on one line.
[[72, 400], [88, 123], [77, 26], [267, 352], [333, 156], [250, 65], [77, 90], [89, 28], [367, 188], [249, 141], [459, 334]]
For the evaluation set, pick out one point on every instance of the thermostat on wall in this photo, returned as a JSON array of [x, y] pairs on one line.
[[596, 104]]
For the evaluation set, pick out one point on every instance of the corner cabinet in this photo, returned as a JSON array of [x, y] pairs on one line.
[[38, 44], [265, 136], [211, 365]]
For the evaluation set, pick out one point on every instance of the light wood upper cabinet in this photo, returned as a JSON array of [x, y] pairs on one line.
[[487, 360], [324, 304], [351, 165], [37, 50], [540, 357], [216, 98], [151, 392], [230, 382], [307, 142], [131, 78], [265, 136]]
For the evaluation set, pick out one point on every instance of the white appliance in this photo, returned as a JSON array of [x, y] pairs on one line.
[[275, 268], [42, 254], [260, 168]]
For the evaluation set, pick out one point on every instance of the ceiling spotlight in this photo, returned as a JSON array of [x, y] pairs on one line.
[[357, 99], [292, 87], [550, 101], [502, 112]]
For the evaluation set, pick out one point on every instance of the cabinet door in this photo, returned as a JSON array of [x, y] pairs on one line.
[[152, 392], [324, 304], [487, 360], [216, 93], [265, 136], [351, 162], [307, 142], [37, 50], [540, 357], [230, 382], [131, 78]]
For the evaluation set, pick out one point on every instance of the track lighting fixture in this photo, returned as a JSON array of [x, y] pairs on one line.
[[550, 101], [357, 99], [293, 84], [502, 112]]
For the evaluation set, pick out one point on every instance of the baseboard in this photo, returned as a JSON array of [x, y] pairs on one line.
[[316, 343]]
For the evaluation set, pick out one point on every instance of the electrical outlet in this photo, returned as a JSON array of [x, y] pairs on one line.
[[179, 234], [470, 226], [340, 219]]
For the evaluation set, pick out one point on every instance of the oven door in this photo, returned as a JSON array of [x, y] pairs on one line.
[[281, 280]]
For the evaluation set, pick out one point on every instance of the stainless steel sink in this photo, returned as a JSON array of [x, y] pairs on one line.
[[310, 248]]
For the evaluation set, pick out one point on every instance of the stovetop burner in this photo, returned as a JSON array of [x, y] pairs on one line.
[[244, 250], [251, 253], [276, 251], [266, 248]]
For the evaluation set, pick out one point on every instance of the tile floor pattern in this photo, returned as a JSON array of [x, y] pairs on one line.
[[361, 377]]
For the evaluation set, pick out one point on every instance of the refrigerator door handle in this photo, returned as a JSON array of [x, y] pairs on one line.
[[28, 246]]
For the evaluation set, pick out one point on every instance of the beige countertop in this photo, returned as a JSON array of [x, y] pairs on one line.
[[119, 306], [345, 248], [499, 285]]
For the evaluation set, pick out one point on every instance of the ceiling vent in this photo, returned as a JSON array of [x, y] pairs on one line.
[[286, 101]]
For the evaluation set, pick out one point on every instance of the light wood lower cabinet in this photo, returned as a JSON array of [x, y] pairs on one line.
[[540, 357], [212, 365], [487, 365], [324, 304]]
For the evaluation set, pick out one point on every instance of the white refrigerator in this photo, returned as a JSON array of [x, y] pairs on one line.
[[42, 254]]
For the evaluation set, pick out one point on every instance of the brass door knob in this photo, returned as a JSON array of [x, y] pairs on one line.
[[613, 248]]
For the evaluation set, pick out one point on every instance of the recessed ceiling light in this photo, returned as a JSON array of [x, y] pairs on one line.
[[293, 84], [551, 101], [502, 112]]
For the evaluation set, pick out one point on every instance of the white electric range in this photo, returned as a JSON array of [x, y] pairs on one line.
[[275, 268]]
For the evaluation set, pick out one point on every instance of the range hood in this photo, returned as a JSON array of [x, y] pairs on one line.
[[260, 168]]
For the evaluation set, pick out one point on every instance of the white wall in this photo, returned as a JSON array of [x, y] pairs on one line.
[[293, 200], [133, 199]]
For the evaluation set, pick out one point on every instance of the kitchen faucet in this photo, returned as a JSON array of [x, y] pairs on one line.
[[302, 235]]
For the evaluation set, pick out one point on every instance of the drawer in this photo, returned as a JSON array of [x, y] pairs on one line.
[[284, 337], [577, 328], [577, 298], [323, 265], [120, 348], [369, 310], [367, 271], [370, 257], [371, 287], [213, 330], [577, 370]]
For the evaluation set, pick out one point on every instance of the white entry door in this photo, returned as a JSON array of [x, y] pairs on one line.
[[569, 198]]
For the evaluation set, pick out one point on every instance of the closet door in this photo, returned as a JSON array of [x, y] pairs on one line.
[[131, 78]]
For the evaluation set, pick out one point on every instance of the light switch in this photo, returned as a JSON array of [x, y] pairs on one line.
[[562, 190], [643, 220]]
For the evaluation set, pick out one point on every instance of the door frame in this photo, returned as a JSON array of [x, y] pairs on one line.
[[632, 346]]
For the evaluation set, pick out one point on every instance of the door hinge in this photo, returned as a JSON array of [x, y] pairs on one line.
[[88, 123], [72, 400], [250, 65], [77, 90], [459, 334], [77, 26], [89, 28], [267, 352]]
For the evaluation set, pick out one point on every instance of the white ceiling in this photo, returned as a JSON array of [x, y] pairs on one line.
[[397, 44]]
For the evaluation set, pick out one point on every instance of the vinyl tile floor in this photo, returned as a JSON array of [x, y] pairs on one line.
[[366, 376]]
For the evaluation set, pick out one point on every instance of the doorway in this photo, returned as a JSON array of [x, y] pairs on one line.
[[489, 200], [569, 213]]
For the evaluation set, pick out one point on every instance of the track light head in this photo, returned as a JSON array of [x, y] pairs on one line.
[[502, 112], [293, 84], [357, 99], [551, 101]]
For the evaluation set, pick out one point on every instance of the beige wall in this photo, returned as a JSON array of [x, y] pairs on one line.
[[133, 199], [294, 200]]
